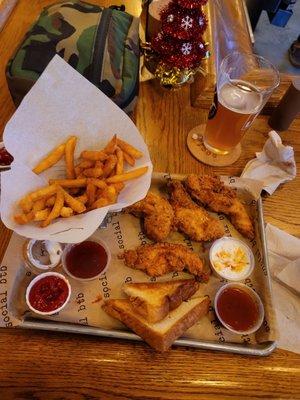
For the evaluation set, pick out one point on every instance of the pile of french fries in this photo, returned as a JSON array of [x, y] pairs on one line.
[[94, 182]]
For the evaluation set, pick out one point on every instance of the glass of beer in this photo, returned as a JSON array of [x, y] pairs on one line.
[[245, 82]]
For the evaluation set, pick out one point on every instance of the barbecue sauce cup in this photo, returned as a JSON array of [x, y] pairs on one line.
[[87, 260], [239, 308]]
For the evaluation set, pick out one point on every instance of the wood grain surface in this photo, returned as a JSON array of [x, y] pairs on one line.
[[47, 365]]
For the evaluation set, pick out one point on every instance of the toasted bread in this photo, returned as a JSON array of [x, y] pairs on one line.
[[162, 334], [153, 301]]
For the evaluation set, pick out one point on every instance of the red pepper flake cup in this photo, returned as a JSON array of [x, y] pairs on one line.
[[48, 293]]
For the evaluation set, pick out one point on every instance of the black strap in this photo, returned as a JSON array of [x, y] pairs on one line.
[[147, 20]]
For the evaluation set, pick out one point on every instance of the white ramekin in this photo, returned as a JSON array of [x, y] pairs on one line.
[[36, 279], [242, 276], [256, 298], [68, 248]]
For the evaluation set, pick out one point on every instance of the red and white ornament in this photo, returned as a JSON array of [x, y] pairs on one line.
[[186, 22], [179, 44], [186, 48], [181, 23], [186, 54]]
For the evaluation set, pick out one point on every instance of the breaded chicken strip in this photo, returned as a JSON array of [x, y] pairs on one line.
[[211, 192], [161, 258], [191, 219], [158, 214]]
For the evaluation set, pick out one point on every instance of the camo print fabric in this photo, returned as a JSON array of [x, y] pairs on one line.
[[100, 43]]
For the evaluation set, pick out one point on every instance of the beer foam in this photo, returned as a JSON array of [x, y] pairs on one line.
[[241, 97]]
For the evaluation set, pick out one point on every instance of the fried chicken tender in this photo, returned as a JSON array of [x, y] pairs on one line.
[[191, 219], [211, 192], [161, 258], [158, 214]]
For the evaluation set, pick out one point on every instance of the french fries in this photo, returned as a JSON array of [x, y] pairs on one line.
[[69, 156], [129, 159], [119, 186], [98, 183], [99, 164], [120, 161], [27, 202], [50, 201], [69, 183], [93, 172], [58, 205], [77, 171], [41, 215], [75, 204], [83, 198], [111, 194], [127, 148], [109, 165], [24, 218], [85, 164], [94, 181], [91, 193], [51, 159], [39, 205], [66, 212], [101, 202], [94, 155], [111, 146], [127, 175]]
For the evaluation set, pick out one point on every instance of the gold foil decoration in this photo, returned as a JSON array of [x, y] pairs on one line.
[[172, 77]]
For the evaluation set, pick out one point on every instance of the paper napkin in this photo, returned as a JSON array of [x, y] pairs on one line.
[[273, 166], [284, 263]]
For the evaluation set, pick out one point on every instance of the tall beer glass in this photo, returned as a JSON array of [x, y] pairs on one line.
[[245, 82]]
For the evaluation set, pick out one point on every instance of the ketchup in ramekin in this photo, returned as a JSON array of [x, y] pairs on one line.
[[5, 157], [86, 260], [48, 293]]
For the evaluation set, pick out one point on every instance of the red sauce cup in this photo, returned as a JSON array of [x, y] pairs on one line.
[[48, 293], [87, 260], [5, 158], [239, 308]]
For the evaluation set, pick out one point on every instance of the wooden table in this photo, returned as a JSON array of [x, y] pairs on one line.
[[44, 365]]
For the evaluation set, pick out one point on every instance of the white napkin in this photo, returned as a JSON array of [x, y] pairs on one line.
[[284, 259], [274, 165]]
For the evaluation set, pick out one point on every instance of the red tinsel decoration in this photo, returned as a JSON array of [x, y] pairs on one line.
[[180, 43], [187, 54], [163, 44], [191, 3], [183, 24], [179, 53]]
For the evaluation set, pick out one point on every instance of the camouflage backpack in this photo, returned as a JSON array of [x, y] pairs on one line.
[[100, 43]]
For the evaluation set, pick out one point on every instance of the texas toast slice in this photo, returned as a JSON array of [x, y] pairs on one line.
[[162, 334], [153, 301]]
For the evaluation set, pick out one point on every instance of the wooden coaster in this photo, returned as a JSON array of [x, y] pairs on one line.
[[199, 151]]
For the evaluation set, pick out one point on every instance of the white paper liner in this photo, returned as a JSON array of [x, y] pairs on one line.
[[63, 103]]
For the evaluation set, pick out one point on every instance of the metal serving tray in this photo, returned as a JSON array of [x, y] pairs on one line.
[[253, 350], [263, 349]]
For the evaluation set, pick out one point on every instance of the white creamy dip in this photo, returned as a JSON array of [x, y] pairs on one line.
[[231, 259]]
